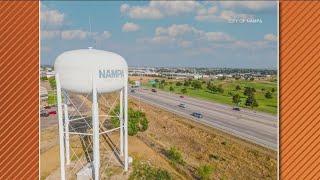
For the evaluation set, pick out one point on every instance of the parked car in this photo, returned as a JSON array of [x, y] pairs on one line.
[[133, 91], [153, 90], [52, 112], [181, 96], [197, 115], [44, 113], [236, 108], [182, 105]]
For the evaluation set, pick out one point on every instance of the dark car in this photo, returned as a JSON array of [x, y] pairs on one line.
[[44, 113], [197, 115], [153, 90], [133, 91], [236, 109], [181, 96]]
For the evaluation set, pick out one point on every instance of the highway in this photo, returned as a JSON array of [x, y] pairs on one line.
[[259, 128]]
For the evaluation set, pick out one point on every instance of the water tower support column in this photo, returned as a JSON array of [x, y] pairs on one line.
[[66, 122], [95, 128], [121, 122], [126, 163], [61, 134]]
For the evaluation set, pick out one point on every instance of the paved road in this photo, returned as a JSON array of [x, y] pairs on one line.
[[259, 128]]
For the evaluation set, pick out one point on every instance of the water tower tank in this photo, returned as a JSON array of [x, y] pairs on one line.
[[78, 68]]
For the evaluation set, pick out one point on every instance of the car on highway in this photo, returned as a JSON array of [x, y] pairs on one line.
[[182, 105], [153, 90], [44, 113], [181, 96], [197, 114], [236, 108], [52, 112]]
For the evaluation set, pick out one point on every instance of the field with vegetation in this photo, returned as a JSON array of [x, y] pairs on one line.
[[260, 95]]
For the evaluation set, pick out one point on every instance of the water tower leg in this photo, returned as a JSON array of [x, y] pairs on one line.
[[66, 121], [61, 134], [95, 126], [121, 122], [126, 163]]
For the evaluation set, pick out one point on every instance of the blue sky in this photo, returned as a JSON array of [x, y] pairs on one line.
[[159, 33]]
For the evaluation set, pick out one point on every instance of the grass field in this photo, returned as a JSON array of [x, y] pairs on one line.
[[229, 86]]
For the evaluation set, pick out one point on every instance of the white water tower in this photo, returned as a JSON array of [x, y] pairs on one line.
[[91, 71]]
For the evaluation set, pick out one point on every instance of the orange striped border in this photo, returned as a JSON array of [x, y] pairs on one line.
[[19, 74], [299, 90]]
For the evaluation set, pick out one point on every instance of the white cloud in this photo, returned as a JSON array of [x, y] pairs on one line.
[[158, 40], [223, 16], [51, 16], [129, 27], [105, 35], [218, 36], [177, 30], [74, 34], [184, 43], [141, 12], [248, 5], [270, 37], [160, 9], [45, 34], [175, 7], [184, 35]]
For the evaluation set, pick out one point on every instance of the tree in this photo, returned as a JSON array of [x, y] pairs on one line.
[[220, 89], [196, 84], [252, 79], [249, 91], [183, 90], [251, 101], [236, 99], [137, 120], [161, 86], [154, 85], [238, 88], [273, 90], [268, 95], [186, 83], [162, 81], [171, 88], [178, 83]]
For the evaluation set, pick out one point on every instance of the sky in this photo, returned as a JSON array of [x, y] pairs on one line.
[[232, 34]]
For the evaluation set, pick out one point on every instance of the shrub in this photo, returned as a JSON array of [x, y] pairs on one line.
[[184, 91], [143, 170], [137, 120], [52, 82], [204, 171], [171, 88], [268, 95], [178, 83], [175, 155]]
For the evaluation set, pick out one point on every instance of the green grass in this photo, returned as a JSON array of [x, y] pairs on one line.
[[265, 105], [52, 98]]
